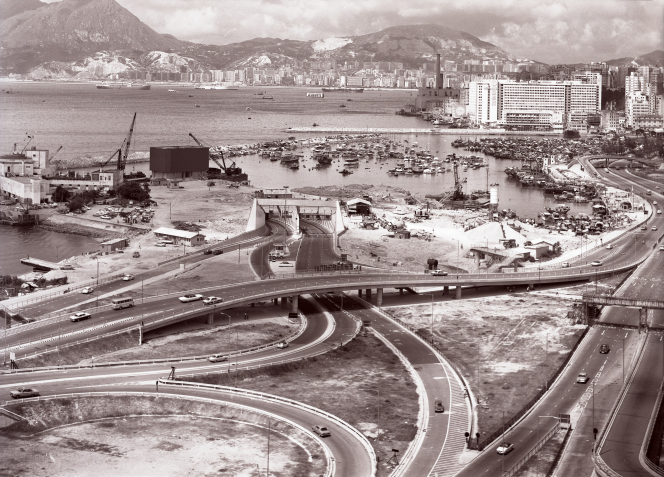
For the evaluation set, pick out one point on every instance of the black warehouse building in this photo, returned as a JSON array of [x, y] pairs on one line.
[[179, 162]]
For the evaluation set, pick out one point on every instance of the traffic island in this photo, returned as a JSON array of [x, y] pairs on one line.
[[363, 383], [159, 436], [125, 347]]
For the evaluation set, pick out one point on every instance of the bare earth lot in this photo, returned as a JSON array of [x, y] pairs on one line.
[[505, 346], [191, 439], [345, 382]]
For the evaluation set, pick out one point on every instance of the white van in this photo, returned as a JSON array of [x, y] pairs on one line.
[[120, 303]]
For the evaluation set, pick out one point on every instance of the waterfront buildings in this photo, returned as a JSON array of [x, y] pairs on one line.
[[534, 105]]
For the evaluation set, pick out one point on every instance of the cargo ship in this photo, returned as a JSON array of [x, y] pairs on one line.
[[343, 90]]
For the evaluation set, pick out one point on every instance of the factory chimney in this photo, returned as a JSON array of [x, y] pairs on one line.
[[438, 71]]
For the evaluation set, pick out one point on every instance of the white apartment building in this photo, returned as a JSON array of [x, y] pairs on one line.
[[636, 104], [533, 105]]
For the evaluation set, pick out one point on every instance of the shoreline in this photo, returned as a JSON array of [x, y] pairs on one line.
[[437, 131], [74, 229]]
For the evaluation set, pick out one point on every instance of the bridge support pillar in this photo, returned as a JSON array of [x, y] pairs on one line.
[[359, 293], [379, 296], [369, 295], [275, 301], [295, 299], [458, 292], [400, 291], [532, 286], [210, 318], [446, 290], [284, 301]]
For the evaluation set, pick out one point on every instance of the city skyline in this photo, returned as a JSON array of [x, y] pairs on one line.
[[563, 32]]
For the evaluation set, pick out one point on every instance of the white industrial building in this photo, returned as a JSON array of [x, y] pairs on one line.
[[177, 236]]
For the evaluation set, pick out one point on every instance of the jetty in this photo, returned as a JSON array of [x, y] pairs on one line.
[[43, 264], [449, 132]]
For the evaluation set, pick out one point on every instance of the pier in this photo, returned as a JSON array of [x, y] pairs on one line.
[[41, 264], [449, 132]]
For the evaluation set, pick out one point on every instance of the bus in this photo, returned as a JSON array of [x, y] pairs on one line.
[[120, 303]]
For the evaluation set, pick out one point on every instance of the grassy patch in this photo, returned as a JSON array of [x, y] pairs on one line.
[[346, 382], [117, 435], [506, 346]]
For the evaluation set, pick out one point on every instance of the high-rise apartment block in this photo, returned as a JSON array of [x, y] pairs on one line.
[[534, 105]]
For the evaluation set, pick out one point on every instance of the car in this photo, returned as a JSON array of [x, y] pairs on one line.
[[654, 202], [609, 246], [23, 393], [321, 431], [190, 297], [643, 227], [438, 406], [661, 248], [505, 448], [136, 255], [659, 211], [218, 252], [282, 345], [87, 290], [604, 349], [438, 273], [216, 358], [565, 265], [596, 263], [285, 265], [128, 278], [582, 378], [80, 315], [212, 300], [159, 244], [654, 227], [207, 252]]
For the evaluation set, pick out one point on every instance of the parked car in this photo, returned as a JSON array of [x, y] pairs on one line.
[[23, 393], [565, 265], [582, 378], [207, 252], [216, 358], [282, 345], [596, 263], [604, 349], [191, 297], [213, 300], [80, 315], [321, 431], [128, 278], [505, 448], [438, 273], [87, 290], [136, 255], [218, 252], [438, 406]]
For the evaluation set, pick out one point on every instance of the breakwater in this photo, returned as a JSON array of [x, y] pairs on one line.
[[449, 132]]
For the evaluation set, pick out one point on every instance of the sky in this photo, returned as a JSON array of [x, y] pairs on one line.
[[565, 31]]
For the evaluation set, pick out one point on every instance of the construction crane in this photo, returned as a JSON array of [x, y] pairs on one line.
[[228, 170], [54, 154], [30, 138], [458, 185], [118, 152], [122, 158]]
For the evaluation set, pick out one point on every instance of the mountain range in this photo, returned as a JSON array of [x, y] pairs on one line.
[[91, 38]]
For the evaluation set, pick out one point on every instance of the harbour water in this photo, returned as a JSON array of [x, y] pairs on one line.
[[92, 122]]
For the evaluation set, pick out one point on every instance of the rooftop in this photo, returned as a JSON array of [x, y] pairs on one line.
[[176, 233]]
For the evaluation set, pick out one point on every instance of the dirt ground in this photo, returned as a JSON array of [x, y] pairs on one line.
[[204, 440], [505, 346], [346, 383], [220, 339]]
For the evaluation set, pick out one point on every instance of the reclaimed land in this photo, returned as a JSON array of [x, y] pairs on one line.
[[346, 382], [151, 436], [505, 346]]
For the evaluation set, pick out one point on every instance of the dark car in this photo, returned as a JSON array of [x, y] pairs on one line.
[[438, 406], [207, 252], [604, 349], [218, 252]]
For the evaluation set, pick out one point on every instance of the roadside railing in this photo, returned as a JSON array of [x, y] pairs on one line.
[[330, 460], [643, 458], [516, 467], [289, 402]]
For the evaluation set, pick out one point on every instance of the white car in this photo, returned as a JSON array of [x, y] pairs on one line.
[[215, 358], [596, 263], [582, 378], [438, 273], [654, 227], [128, 278], [191, 297], [322, 431], [87, 290], [565, 265], [282, 345], [609, 246], [80, 315], [505, 448], [213, 300]]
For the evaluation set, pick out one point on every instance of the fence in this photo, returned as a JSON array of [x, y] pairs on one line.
[[331, 463]]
